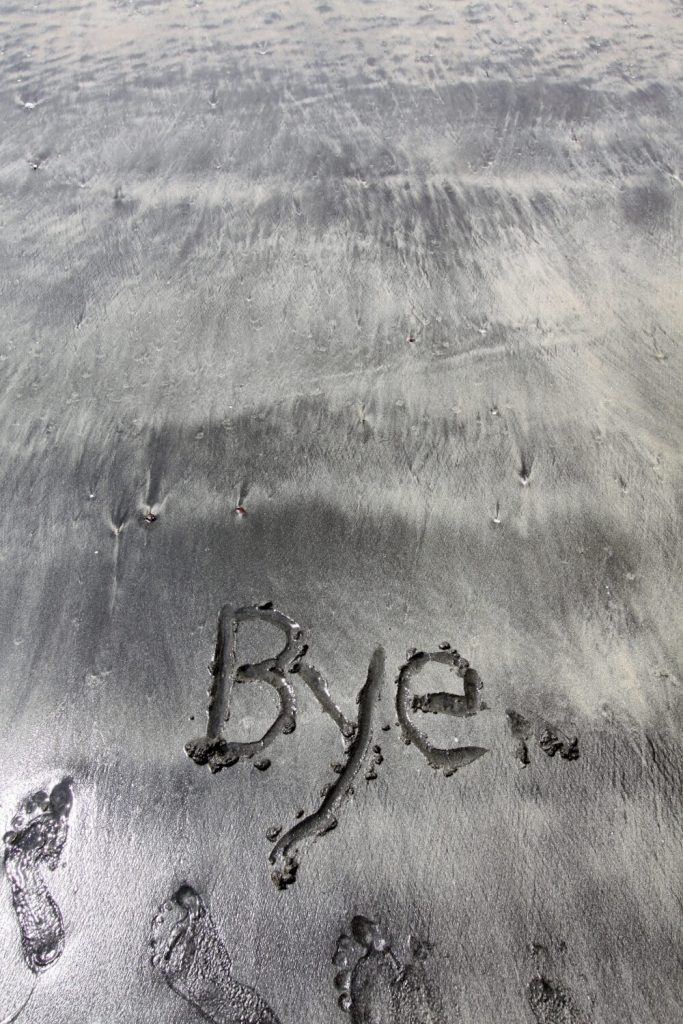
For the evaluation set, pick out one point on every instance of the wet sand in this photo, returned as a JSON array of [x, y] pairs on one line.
[[370, 311]]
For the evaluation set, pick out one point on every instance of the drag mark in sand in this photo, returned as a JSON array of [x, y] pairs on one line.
[[213, 749], [194, 962], [549, 738], [447, 758], [279, 672], [521, 731], [117, 527], [321, 691], [443, 703], [284, 854]]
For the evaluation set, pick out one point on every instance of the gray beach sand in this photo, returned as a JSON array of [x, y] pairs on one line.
[[401, 284]]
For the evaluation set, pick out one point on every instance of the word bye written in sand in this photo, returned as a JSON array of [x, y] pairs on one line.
[[280, 671]]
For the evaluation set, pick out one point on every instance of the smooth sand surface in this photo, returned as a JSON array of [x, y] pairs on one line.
[[402, 282]]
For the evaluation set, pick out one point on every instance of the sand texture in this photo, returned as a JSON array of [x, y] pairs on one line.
[[371, 311]]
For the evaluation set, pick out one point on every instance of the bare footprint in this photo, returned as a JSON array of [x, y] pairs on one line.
[[379, 988], [35, 839], [189, 953], [415, 1001], [549, 1000], [366, 988], [551, 1004]]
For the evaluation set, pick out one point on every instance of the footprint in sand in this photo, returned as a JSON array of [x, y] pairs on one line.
[[380, 988], [549, 1000], [551, 1004], [35, 840], [189, 953]]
